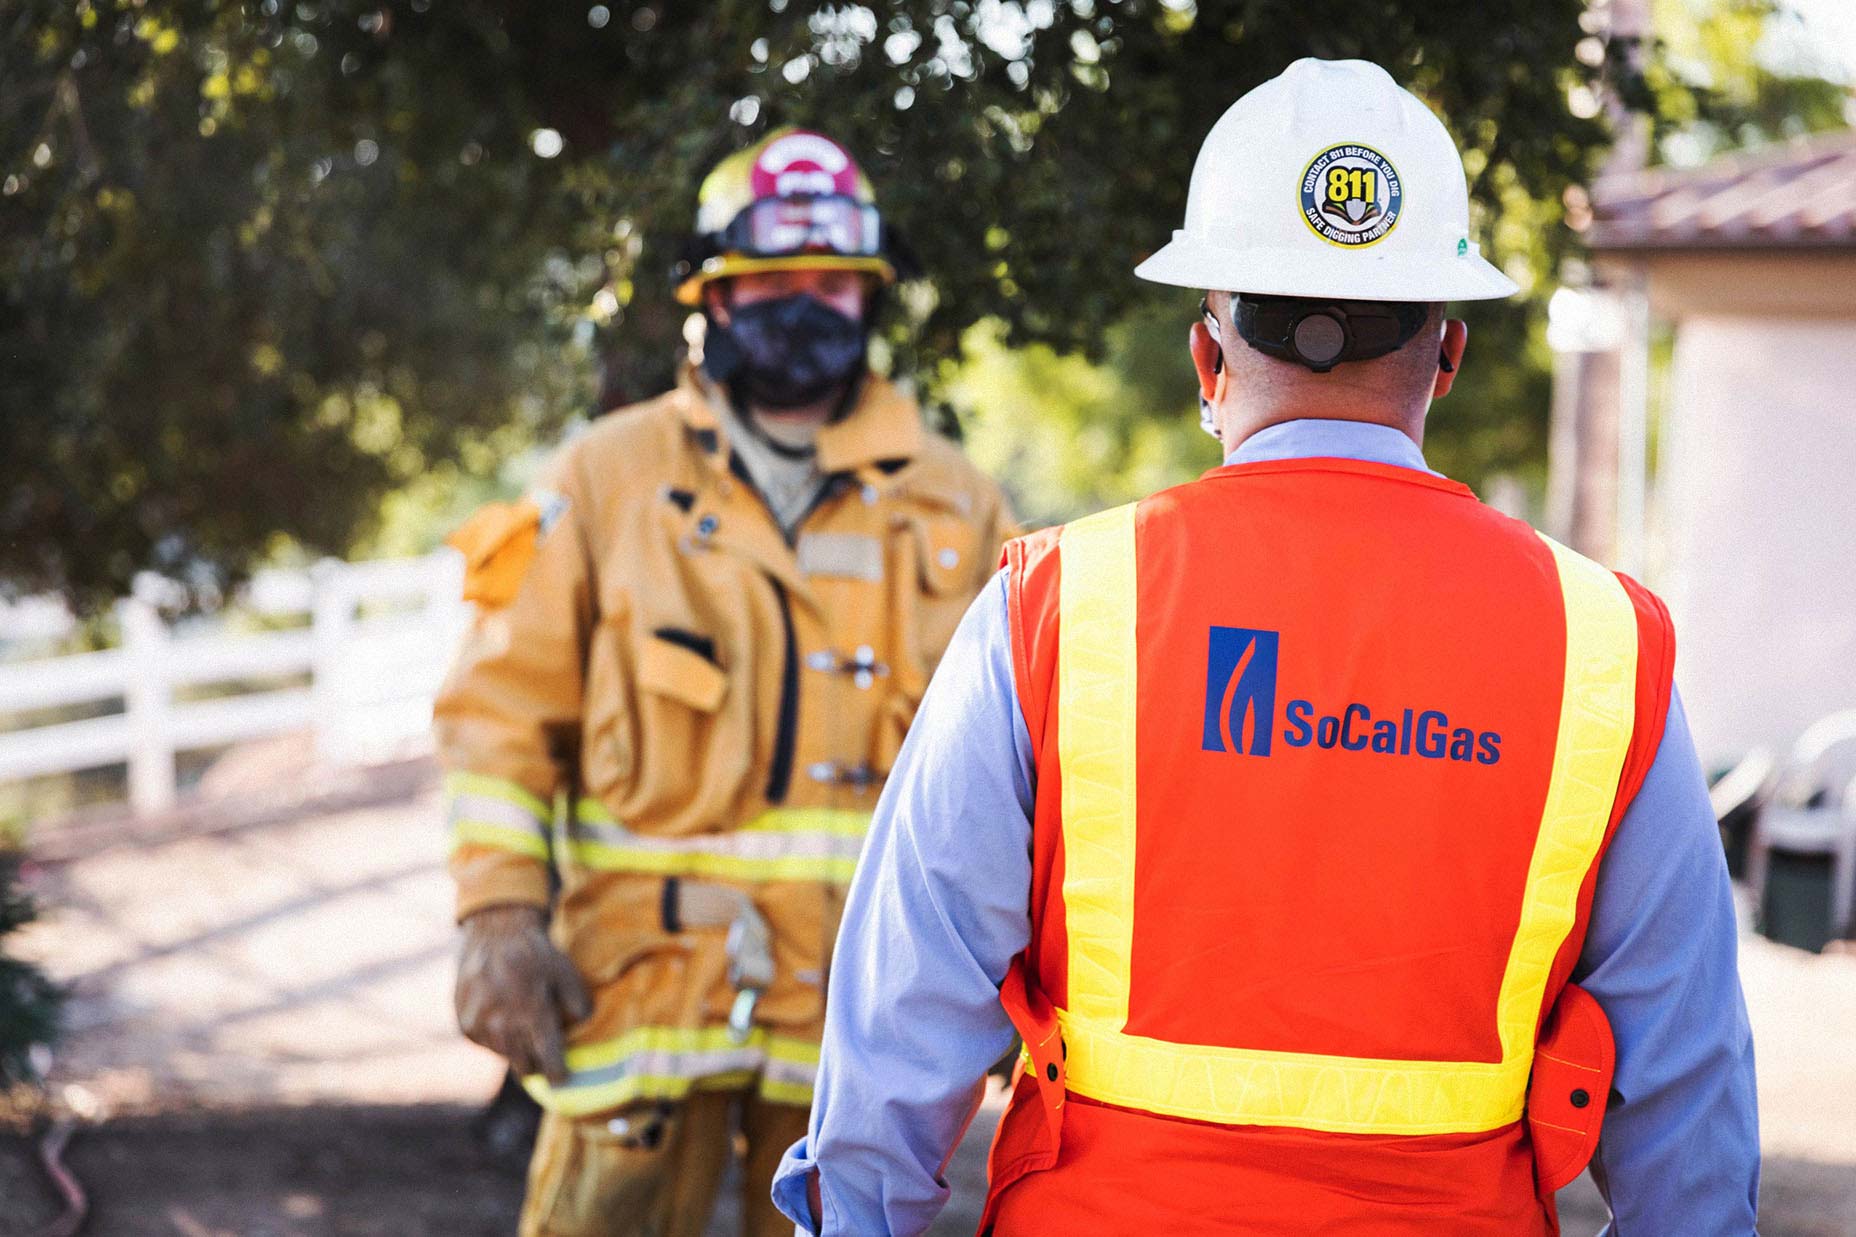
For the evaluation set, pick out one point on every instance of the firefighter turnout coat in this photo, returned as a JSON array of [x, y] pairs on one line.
[[660, 687]]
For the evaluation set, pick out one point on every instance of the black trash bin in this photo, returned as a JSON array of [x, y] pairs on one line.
[[1804, 862]]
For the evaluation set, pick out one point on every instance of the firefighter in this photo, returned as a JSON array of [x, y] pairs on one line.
[[698, 645], [1335, 843]]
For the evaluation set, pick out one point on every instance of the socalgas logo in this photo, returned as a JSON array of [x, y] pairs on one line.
[[1240, 686], [1240, 712]]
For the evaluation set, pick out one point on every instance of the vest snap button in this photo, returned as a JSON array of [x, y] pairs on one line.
[[1050, 1071], [1580, 1098]]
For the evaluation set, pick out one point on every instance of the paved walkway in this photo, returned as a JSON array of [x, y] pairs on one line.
[[237, 959], [293, 958]]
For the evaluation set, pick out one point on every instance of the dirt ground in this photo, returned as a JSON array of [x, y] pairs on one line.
[[364, 1171], [418, 1171], [359, 1172], [260, 1039]]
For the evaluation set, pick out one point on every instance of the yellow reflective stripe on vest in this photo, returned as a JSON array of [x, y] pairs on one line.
[[1096, 672], [1096, 667], [819, 844], [493, 812], [666, 1063], [1597, 713]]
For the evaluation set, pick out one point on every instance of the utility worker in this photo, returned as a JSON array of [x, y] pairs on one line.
[[1334, 842], [703, 638]]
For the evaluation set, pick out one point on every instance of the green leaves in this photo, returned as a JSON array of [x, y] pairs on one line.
[[220, 222]]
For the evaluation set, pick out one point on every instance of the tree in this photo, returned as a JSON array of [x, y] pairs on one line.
[[1071, 436], [1733, 74], [268, 261]]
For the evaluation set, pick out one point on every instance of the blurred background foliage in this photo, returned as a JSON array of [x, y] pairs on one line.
[[286, 277]]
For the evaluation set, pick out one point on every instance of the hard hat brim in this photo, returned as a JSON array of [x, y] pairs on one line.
[[1352, 275], [723, 266]]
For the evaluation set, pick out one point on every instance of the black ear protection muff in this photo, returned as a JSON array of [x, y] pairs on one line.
[[1321, 334]]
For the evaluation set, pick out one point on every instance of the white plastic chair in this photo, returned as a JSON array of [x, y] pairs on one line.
[[1738, 798], [1813, 812]]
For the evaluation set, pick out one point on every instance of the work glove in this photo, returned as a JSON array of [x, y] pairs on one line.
[[516, 992]]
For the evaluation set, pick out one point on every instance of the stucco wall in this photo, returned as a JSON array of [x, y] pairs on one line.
[[1758, 504]]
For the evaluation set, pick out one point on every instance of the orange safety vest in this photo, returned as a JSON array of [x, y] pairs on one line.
[[1328, 754]]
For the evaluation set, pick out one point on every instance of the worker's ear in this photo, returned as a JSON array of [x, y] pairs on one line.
[[715, 299], [1450, 356], [1207, 358]]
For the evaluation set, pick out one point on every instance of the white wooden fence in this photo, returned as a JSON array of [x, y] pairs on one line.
[[378, 639]]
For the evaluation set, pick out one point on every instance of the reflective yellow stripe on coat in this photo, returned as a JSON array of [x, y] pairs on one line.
[[1096, 676], [497, 813], [653, 1062], [781, 844]]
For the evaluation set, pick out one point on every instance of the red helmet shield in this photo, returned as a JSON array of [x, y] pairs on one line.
[[803, 163]]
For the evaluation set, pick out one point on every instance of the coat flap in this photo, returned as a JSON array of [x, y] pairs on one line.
[[670, 667], [497, 543], [948, 545]]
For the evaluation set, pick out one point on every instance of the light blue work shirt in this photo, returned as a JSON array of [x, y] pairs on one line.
[[940, 905]]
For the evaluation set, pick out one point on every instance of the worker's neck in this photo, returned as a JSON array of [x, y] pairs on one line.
[[794, 429], [1239, 421]]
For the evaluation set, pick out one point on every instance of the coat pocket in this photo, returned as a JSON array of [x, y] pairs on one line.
[[946, 546], [680, 665], [673, 754]]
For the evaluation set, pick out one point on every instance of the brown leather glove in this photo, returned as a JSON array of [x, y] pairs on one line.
[[516, 991]]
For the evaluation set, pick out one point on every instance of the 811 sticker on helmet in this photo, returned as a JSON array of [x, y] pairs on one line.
[[1351, 195]]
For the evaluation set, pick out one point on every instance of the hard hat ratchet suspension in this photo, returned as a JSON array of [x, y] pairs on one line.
[[1320, 335]]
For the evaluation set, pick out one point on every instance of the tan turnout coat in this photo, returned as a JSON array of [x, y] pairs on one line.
[[658, 685]]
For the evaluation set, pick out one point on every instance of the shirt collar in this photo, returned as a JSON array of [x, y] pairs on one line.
[[1346, 440]]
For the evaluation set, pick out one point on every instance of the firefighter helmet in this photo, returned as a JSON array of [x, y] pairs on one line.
[[795, 200]]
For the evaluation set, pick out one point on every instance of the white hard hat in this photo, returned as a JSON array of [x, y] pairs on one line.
[[1329, 181]]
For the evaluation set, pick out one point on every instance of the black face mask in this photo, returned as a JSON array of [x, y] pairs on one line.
[[785, 352]]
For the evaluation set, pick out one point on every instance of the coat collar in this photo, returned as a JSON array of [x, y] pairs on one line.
[[884, 424]]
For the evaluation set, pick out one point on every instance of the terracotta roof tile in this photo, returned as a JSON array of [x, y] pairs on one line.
[[1801, 194]]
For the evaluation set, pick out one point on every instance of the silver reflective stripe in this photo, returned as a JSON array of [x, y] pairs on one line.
[[793, 1073], [490, 810], [659, 1064], [749, 844]]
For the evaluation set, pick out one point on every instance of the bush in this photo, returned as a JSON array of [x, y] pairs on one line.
[[29, 1002]]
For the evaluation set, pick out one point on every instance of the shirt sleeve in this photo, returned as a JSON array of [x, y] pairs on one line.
[[938, 908], [1679, 1151]]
